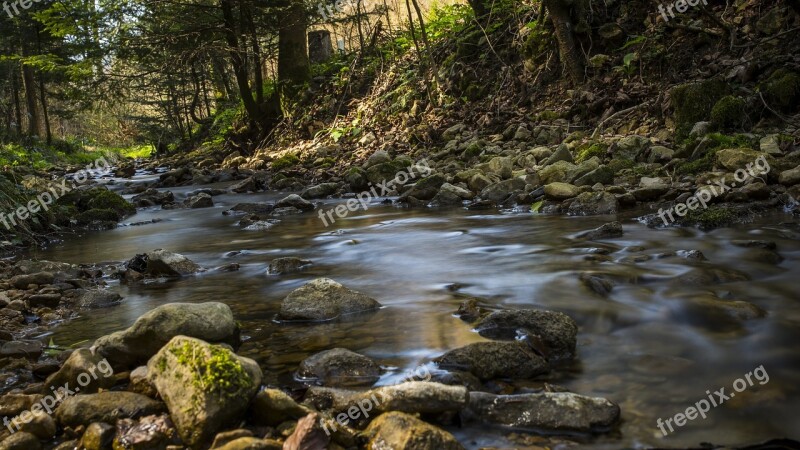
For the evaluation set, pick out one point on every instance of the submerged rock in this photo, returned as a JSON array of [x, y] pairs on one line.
[[557, 331], [211, 322], [150, 432], [295, 201], [606, 231], [400, 431], [206, 387], [162, 263], [491, 360], [340, 367], [282, 266], [324, 299], [551, 411]]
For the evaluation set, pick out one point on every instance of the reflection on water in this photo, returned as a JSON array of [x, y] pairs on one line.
[[654, 345]]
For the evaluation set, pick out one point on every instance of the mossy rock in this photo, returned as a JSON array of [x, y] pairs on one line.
[[206, 387], [782, 90], [83, 200], [284, 162], [105, 199], [588, 151], [713, 217], [693, 102], [699, 165], [620, 164], [385, 171], [729, 113]]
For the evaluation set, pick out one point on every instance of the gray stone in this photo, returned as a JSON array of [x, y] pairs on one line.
[[557, 331], [339, 367], [211, 322], [551, 411], [491, 360], [324, 299]]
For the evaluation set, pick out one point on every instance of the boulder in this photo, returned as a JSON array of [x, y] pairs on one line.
[[594, 204], [561, 191], [21, 440], [491, 360], [605, 231], [499, 192], [98, 298], [790, 177], [562, 153], [557, 331], [733, 159], [39, 279], [308, 434], [83, 360], [295, 201], [211, 322], [40, 425], [206, 387], [272, 407], [499, 166], [98, 436], [44, 300], [319, 191], [152, 197], [452, 195], [201, 200], [425, 189], [324, 299], [29, 349], [162, 263], [400, 431], [282, 266], [412, 397], [108, 407], [149, 432], [339, 367], [549, 411], [379, 157]]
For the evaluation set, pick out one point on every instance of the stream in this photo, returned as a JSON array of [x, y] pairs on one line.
[[654, 346]]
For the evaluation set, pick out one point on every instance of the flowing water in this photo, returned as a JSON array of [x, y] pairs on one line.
[[654, 345]]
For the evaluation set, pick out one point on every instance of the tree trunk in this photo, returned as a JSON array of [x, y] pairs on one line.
[[240, 66], [30, 100], [571, 58], [293, 65]]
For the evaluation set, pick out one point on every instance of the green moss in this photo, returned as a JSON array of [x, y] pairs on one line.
[[285, 161], [105, 199], [713, 217], [693, 102], [326, 163], [587, 151], [473, 150], [704, 164], [618, 165], [215, 368], [730, 112], [782, 90]]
